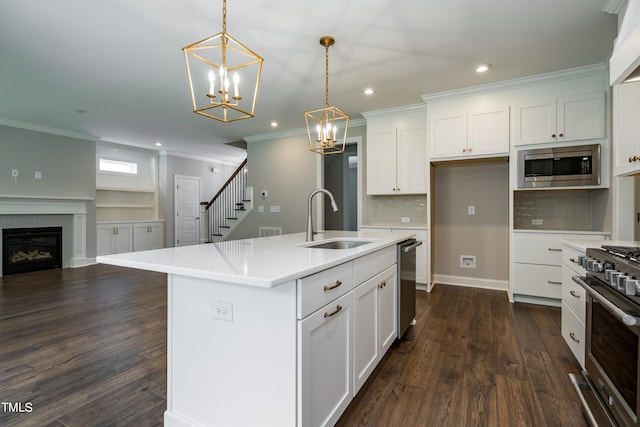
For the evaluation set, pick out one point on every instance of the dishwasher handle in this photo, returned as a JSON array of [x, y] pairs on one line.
[[411, 247]]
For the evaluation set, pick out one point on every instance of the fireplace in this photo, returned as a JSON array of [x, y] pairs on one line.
[[31, 249]]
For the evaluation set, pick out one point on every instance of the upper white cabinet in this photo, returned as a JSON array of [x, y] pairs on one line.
[[570, 118], [396, 154], [626, 128], [473, 132]]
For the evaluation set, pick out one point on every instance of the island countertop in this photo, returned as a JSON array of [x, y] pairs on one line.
[[262, 262]]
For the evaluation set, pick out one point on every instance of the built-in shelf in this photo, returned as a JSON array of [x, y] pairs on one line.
[[125, 205]]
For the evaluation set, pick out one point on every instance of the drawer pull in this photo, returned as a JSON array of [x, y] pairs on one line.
[[573, 337], [334, 312], [328, 288], [551, 282], [555, 250], [573, 260], [574, 294]]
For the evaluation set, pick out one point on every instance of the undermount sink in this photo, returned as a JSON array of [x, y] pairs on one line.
[[338, 244]]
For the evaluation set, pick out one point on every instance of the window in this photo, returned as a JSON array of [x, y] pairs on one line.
[[117, 166]]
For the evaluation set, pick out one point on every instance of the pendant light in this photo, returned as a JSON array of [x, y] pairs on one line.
[[217, 68], [323, 124]]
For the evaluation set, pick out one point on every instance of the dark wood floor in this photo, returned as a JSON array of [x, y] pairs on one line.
[[87, 347]]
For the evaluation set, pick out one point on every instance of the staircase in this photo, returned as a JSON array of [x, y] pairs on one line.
[[229, 207]]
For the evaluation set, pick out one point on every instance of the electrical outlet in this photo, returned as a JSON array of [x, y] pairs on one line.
[[37, 175], [536, 222], [14, 173], [405, 219], [222, 310], [467, 261], [274, 208], [471, 210]]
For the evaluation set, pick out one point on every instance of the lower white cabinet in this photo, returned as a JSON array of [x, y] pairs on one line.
[[574, 303], [148, 235], [375, 322], [326, 368], [536, 273], [120, 237], [114, 238]]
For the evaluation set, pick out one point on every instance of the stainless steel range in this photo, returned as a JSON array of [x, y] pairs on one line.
[[609, 386]]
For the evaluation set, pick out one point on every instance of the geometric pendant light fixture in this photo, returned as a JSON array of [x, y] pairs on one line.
[[224, 76], [327, 127]]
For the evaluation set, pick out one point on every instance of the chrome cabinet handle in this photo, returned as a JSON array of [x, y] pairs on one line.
[[334, 312], [574, 294], [382, 284], [573, 260], [328, 288], [574, 337], [551, 282], [554, 250]]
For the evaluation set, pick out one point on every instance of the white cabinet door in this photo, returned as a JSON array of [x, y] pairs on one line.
[[148, 236], [156, 236], [448, 134], [366, 338], [105, 236], [488, 131], [570, 118], [387, 308], [535, 122], [123, 241], [411, 161], [114, 238], [381, 162], [326, 363], [375, 322], [580, 117], [626, 130]]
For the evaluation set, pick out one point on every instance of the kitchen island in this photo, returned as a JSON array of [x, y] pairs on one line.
[[270, 331]]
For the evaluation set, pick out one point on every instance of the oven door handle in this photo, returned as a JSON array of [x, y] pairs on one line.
[[624, 317]]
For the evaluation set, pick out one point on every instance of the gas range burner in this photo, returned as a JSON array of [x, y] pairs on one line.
[[630, 252]]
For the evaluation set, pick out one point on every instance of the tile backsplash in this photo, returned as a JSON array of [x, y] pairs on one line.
[[389, 210], [572, 210]]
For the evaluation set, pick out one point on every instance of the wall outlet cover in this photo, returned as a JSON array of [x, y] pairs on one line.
[[467, 261], [405, 219]]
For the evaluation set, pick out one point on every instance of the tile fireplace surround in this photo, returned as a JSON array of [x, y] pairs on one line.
[[71, 215]]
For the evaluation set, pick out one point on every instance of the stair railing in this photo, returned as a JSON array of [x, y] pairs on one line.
[[224, 205]]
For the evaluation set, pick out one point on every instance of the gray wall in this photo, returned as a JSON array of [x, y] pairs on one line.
[[287, 170], [68, 167], [211, 182], [485, 234]]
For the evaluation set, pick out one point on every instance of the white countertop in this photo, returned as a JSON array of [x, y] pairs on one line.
[[263, 262], [583, 244]]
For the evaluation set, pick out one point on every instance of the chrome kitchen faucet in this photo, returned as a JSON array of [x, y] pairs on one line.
[[310, 232]]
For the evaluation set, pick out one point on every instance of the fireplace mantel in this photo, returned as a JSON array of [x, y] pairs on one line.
[[41, 206]]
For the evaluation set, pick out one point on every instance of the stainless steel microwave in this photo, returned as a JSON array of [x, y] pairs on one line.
[[559, 166]]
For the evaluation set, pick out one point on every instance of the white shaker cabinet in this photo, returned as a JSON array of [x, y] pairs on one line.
[[114, 238], [474, 132], [570, 118], [375, 322], [397, 161], [325, 369], [626, 128], [574, 303], [148, 235]]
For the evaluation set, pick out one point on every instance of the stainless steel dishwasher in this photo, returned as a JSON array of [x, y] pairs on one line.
[[406, 284]]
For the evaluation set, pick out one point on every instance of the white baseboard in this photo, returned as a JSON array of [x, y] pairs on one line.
[[498, 285]]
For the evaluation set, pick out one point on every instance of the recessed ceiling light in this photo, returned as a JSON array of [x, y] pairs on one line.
[[482, 68], [158, 144], [274, 124], [368, 91]]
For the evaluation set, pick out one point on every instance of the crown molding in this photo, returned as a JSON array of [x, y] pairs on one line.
[[385, 111], [572, 73], [614, 7], [46, 129]]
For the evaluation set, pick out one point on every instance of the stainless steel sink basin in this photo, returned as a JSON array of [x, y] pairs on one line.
[[338, 244]]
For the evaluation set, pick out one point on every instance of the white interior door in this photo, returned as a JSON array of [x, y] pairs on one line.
[[187, 210]]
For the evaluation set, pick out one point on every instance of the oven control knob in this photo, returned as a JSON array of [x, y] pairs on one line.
[[632, 287], [613, 279], [597, 267], [589, 264]]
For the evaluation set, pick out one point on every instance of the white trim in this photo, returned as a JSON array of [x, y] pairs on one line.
[[46, 129], [472, 282], [572, 73], [386, 111]]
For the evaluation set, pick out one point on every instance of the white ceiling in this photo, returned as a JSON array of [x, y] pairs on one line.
[[121, 62]]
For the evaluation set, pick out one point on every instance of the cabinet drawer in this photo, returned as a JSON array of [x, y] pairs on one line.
[[573, 295], [570, 259], [537, 249], [537, 280], [321, 288], [573, 332], [369, 265]]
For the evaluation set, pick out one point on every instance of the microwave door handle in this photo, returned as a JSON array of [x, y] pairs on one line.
[[625, 318]]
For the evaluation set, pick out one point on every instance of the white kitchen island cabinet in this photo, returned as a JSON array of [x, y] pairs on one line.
[[261, 332]]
